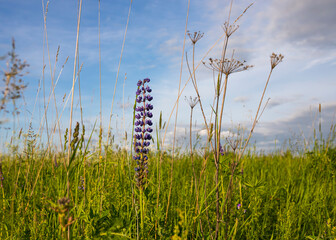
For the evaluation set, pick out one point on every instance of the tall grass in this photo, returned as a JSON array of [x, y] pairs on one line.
[[281, 197], [222, 190]]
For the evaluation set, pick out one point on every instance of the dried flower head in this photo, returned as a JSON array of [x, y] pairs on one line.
[[229, 29], [227, 66], [64, 203], [192, 101], [194, 37], [142, 130], [276, 59]]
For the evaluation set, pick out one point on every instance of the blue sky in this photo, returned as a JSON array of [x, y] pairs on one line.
[[303, 31]]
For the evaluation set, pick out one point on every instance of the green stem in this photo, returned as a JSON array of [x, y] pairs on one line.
[[142, 211]]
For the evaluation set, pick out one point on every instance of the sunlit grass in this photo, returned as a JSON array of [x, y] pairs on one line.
[[280, 196]]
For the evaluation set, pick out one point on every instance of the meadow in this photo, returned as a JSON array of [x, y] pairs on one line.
[[276, 196], [217, 188]]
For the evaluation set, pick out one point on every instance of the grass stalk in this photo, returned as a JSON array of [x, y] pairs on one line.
[[116, 81], [177, 103]]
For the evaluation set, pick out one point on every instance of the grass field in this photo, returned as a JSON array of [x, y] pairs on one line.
[[276, 196], [84, 186]]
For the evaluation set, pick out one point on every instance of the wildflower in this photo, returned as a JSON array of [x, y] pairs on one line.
[[142, 130], [195, 36], [227, 66], [62, 208], [55, 162], [192, 101], [239, 206], [221, 150], [229, 29], [276, 59]]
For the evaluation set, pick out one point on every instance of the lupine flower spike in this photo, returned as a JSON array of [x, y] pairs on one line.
[[142, 130]]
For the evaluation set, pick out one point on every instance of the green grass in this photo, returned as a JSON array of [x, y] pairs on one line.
[[282, 196]]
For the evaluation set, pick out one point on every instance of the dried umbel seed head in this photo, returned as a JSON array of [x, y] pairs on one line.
[[229, 29], [227, 66], [194, 37], [142, 130], [192, 101], [276, 59]]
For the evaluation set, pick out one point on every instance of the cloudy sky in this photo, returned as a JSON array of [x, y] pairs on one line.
[[302, 30]]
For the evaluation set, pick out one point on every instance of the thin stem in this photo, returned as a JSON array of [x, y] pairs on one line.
[[43, 81], [100, 90], [115, 85], [174, 138]]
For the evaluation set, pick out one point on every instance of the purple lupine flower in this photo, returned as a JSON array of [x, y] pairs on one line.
[[142, 130], [149, 106], [148, 89], [149, 97], [55, 162], [221, 150]]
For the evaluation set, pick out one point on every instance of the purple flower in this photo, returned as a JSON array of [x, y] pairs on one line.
[[142, 130], [221, 150], [147, 136], [149, 107], [148, 89], [149, 97], [238, 206], [149, 122], [139, 109]]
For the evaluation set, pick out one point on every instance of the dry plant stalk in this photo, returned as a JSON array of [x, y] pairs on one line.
[[224, 67]]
